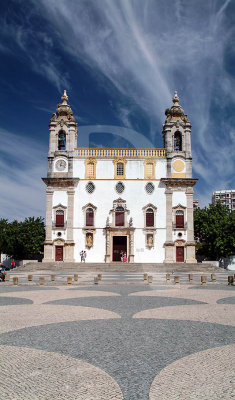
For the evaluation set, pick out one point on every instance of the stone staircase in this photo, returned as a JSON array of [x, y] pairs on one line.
[[119, 267]]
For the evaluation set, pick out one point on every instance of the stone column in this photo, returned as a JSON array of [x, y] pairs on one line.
[[48, 246], [131, 247], [169, 245], [107, 256], [69, 253], [190, 258]]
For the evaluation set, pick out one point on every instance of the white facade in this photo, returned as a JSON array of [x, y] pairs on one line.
[[225, 197], [97, 199]]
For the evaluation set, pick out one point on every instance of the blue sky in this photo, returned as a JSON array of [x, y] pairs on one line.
[[120, 61]]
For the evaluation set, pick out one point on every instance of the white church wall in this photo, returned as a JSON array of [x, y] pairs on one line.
[[178, 198], [60, 197], [160, 171]]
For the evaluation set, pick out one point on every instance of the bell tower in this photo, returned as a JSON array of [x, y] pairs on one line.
[[177, 141], [179, 244], [63, 139], [60, 182]]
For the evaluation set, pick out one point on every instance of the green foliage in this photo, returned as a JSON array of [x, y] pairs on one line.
[[214, 229], [22, 240]]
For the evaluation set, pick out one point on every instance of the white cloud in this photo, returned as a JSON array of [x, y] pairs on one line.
[[147, 50], [23, 163]]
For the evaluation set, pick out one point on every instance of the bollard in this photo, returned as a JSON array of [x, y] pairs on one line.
[[150, 279], [190, 278], [177, 280], [69, 280], [203, 280], [145, 277], [99, 276], [15, 280], [30, 278], [168, 277], [230, 280], [96, 280], [52, 277], [75, 277], [41, 280], [213, 277], [7, 278]]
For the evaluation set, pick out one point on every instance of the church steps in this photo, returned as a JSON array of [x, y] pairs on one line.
[[118, 267]]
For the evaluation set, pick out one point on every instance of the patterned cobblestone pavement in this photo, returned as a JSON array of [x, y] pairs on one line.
[[125, 341]]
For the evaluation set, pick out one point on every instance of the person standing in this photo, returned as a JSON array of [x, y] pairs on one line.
[[124, 258], [81, 255], [13, 263], [84, 256]]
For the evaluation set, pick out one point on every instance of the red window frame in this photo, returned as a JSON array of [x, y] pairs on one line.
[[149, 217], [89, 217], [59, 220]]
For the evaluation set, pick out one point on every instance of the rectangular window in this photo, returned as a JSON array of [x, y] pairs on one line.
[[149, 170], [59, 220], [149, 219], [91, 170], [120, 169], [119, 218], [179, 221]]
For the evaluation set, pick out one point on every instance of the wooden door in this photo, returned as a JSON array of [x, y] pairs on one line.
[[59, 253], [179, 254], [119, 246]]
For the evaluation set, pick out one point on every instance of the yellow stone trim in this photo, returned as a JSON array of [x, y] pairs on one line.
[[146, 163], [116, 162], [88, 161], [178, 175], [119, 152], [178, 165]]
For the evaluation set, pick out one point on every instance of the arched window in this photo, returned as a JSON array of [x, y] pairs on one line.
[[149, 217], [179, 219], [89, 217], [61, 140], [119, 216], [59, 218], [177, 141], [120, 169]]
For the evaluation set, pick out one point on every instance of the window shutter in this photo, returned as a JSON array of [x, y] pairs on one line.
[[149, 218], [179, 221], [59, 220], [89, 217]]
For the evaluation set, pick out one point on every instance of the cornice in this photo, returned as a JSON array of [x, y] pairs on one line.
[[61, 182]]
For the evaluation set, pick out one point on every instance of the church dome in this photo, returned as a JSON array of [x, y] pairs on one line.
[[63, 109], [176, 112]]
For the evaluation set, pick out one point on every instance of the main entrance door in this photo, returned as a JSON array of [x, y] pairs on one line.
[[59, 253], [119, 246], [179, 254]]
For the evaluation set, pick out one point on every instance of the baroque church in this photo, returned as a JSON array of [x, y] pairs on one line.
[[110, 201]]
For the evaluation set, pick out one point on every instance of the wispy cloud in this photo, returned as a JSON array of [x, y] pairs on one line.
[[36, 46], [22, 164], [149, 49]]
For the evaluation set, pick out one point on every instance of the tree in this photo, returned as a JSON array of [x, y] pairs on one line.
[[24, 240], [214, 229], [3, 228]]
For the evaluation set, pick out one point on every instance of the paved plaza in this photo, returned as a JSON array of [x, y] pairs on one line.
[[122, 339]]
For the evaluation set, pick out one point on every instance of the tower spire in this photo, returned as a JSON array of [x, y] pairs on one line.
[[64, 98]]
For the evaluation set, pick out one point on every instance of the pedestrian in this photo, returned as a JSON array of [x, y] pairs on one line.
[[13, 263], [84, 256], [121, 254], [124, 258], [81, 255]]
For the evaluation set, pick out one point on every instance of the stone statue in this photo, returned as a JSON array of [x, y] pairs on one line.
[[150, 241], [131, 222], [89, 240]]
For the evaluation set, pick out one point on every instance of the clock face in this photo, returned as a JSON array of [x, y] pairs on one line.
[[60, 165]]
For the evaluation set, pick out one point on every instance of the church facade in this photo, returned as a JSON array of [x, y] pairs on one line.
[[137, 201]]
